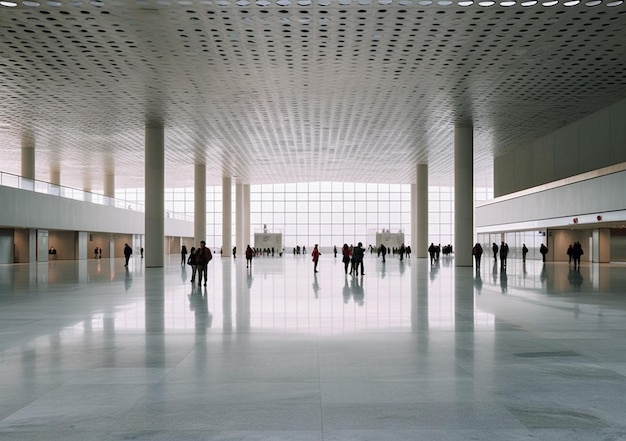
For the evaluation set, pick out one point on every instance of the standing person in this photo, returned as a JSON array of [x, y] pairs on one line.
[[345, 251], [335, 251], [357, 258], [249, 255], [477, 251], [383, 251], [524, 252], [432, 250], [203, 257], [183, 255], [316, 257], [494, 248], [100, 253], [127, 252], [504, 252], [543, 250], [402, 251], [141, 250], [576, 253], [95, 253], [570, 254], [191, 261], [235, 252]]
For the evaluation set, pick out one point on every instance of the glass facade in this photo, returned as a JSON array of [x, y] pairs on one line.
[[326, 213]]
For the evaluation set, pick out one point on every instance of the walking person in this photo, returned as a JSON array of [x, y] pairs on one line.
[[432, 250], [543, 250], [576, 253], [524, 252], [494, 248], [191, 261], [345, 251], [203, 257], [504, 252], [183, 255], [477, 251], [316, 257], [570, 254], [127, 252], [383, 251], [357, 259], [249, 255]]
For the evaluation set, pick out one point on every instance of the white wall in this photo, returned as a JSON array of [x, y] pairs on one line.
[[557, 207], [596, 141]]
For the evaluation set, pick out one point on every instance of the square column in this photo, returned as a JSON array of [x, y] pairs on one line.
[[227, 217], [463, 195], [199, 204], [155, 197]]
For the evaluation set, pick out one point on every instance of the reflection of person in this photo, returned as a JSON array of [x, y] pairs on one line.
[[199, 305], [478, 283], [316, 257], [203, 257], [316, 286], [249, 255], [543, 250], [127, 252], [357, 292], [477, 251]]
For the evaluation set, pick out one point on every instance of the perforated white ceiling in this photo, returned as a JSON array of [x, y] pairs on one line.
[[286, 91]]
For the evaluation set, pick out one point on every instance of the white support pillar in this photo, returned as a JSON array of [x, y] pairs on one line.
[[28, 156], [239, 209], [227, 217], [155, 197], [55, 175], [421, 242], [109, 185], [463, 195], [199, 204], [246, 216]]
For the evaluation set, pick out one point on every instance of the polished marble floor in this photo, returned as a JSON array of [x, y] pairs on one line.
[[91, 350]]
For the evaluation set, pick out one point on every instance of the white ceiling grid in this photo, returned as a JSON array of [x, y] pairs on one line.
[[288, 91]]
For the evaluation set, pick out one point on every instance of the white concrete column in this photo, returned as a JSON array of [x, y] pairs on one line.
[[227, 209], [421, 242], [239, 209], [246, 217], [28, 156], [413, 242], [463, 195], [109, 185], [199, 204], [155, 197], [55, 175]]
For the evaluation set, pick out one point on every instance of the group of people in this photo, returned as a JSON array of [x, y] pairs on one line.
[[353, 257], [198, 259], [574, 252]]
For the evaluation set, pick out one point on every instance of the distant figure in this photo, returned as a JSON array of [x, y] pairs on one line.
[[408, 251], [316, 256], [402, 251], [95, 253], [235, 252], [577, 252], [99, 253], [494, 248], [183, 255], [141, 251], [191, 261], [127, 252], [432, 251], [249, 255], [504, 252], [524, 252], [477, 252], [346, 252], [357, 258], [203, 257], [543, 250], [335, 251], [383, 251], [570, 253]]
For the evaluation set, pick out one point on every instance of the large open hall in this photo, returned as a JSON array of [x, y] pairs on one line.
[[408, 351]]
